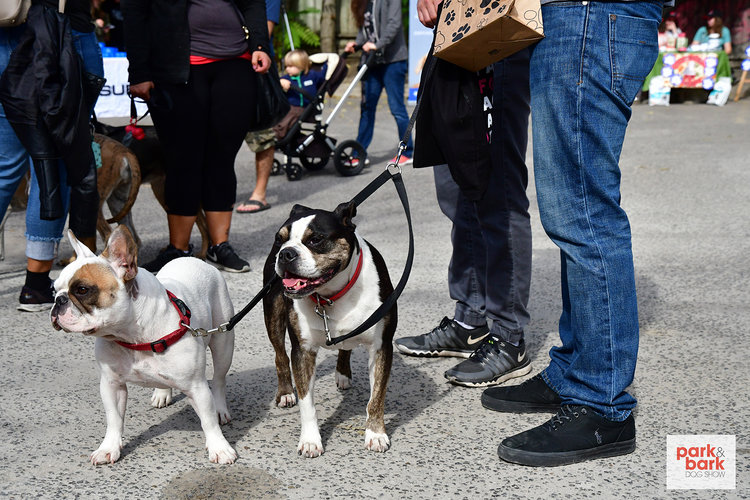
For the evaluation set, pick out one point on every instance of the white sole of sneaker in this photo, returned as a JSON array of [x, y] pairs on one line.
[[432, 354], [518, 372], [33, 308], [228, 269]]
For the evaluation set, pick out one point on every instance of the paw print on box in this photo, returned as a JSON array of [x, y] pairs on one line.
[[460, 32], [450, 17], [490, 5], [469, 12], [532, 18], [439, 40], [447, 4]]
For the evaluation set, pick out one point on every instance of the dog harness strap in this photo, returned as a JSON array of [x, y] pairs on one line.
[[161, 345], [328, 301]]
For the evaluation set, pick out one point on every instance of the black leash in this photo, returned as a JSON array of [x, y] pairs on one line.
[[392, 172]]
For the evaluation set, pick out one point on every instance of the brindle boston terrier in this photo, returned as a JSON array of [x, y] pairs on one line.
[[331, 281]]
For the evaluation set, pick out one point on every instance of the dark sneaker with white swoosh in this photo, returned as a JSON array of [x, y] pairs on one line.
[[224, 257], [447, 339], [574, 434], [493, 363]]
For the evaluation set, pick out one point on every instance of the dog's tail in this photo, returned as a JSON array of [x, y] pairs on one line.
[[135, 184]]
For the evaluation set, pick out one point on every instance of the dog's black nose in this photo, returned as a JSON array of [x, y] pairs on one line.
[[287, 255], [61, 300]]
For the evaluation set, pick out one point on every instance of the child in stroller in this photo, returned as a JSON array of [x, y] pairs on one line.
[[302, 134], [306, 82]]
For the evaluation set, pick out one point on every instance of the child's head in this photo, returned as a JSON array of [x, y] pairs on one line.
[[296, 62]]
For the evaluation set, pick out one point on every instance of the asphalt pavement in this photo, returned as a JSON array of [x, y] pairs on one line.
[[685, 186]]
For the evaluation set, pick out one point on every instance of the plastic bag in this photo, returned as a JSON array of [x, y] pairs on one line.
[[720, 94], [659, 91]]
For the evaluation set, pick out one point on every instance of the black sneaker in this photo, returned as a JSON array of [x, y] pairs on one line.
[[32, 300], [224, 257], [493, 363], [447, 339], [168, 254], [575, 434], [534, 395]]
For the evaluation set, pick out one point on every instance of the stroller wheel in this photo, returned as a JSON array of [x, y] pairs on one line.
[[349, 158], [277, 169], [312, 163], [294, 171]]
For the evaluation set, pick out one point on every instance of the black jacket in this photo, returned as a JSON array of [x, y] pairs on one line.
[[41, 91], [158, 37], [452, 126]]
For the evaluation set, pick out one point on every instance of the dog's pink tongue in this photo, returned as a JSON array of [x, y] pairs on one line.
[[294, 283]]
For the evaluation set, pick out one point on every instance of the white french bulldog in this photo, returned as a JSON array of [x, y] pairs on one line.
[[138, 321]]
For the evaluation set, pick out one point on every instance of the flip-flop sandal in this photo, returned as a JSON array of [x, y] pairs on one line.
[[252, 206]]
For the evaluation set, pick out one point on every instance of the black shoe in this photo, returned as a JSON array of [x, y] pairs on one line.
[[32, 300], [493, 363], [534, 395], [575, 434], [168, 254], [224, 257], [447, 339]]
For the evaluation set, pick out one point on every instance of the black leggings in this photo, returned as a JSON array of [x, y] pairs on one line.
[[201, 126]]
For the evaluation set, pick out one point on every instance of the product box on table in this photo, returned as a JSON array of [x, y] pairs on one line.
[[476, 33]]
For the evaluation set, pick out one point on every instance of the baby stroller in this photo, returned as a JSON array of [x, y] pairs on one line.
[[307, 138]]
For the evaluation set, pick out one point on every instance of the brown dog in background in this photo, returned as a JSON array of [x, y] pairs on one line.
[[118, 184], [119, 179]]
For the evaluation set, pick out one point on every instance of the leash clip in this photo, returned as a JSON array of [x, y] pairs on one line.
[[321, 312], [202, 332], [394, 167]]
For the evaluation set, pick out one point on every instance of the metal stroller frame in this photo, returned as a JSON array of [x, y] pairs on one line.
[[313, 146]]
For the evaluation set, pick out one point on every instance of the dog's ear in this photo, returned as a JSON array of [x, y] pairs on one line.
[[298, 209], [346, 212], [122, 253], [80, 249]]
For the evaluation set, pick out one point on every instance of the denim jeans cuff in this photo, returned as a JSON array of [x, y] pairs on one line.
[[469, 317], [39, 249], [545, 376]]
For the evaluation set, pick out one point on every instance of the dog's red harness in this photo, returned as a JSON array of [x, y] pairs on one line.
[[330, 300], [161, 345]]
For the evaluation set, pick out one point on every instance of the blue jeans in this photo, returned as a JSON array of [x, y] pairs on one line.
[[392, 77], [13, 158], [490, 267], [585, 75], [42, 236]]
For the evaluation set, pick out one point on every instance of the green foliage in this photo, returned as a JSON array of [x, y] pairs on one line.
[[302, 36], [405, 18]]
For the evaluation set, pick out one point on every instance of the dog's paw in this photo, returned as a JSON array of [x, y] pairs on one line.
[[221, 452], [310, 446], [224, 416], [376, 441], [287, 401], [161, 398], [343, 382], [106, 454]]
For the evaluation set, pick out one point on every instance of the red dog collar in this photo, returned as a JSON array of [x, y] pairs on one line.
[[318, 298], [161, 345]]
